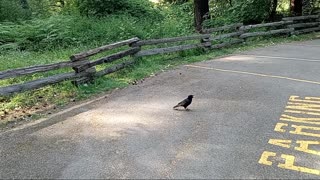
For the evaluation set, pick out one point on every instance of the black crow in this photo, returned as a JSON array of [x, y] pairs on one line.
[[185, 103]]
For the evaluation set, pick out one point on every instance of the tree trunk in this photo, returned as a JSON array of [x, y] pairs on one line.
[[201, 12], [296, 7], [24, 4], [273, 10]]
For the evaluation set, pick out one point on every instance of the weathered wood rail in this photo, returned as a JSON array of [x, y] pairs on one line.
[[84, 69]]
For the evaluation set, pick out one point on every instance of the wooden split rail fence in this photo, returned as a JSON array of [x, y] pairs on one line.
[[84, 69]]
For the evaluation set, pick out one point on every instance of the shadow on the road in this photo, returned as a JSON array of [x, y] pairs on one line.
[[124, 122], [186, 110]]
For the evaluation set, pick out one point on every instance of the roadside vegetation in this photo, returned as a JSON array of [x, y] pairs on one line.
[[33, 33]]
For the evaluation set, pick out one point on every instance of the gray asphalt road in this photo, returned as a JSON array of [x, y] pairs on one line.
[[254, 115]]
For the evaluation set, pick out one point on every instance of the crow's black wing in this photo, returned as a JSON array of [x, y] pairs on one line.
[[183, 103]]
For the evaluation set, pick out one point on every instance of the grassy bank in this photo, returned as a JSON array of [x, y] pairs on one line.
[[21, 106]]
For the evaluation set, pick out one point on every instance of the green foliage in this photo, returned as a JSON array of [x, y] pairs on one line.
[[251, 11], [12, 10], [178, 20], [174, 1], [38, 34], [218, 21], [283, 7], [219, 8], [63, 31], [246, 11], [40, 8], [136, 8]]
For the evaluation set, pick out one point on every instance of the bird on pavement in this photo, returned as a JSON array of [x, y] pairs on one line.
[[185, 103]]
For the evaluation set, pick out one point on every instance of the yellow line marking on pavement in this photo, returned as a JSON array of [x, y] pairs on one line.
[[279, 126], [313, 98], [306, 100], [283, 58], [304, 147], [264, 158], [303, 108], [299, 118], [302, 112], [289, 164], [305, 105], [280, 142], [255, 74], [301, 145], [315, 121], [298, 130], [289, 161]]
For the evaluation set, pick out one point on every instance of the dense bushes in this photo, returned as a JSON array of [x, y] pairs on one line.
[[246, 11], [14, 10], [11, 10], [63, 31], [251, 11], [136, 8]]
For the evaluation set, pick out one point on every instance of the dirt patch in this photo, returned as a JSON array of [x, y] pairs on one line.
[[15, 116]]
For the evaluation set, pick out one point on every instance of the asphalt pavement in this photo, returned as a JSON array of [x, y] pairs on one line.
[[254, 115]]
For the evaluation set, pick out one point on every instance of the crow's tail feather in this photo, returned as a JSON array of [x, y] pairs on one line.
[[176, 106]]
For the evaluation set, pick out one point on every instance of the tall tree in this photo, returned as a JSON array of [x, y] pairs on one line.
[[273, 13], [296, 7], [230, 2], [24, 4], [201, 12]]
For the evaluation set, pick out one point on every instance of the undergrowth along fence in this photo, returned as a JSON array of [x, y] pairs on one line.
[[84, 69]]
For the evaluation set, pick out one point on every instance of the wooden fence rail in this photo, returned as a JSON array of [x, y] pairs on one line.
[[301, 18], [169, 40], [103, 48], [36, 69], [271, 32], [35, 84], [84, 69], [223, 28], [108, 59], [273, 24]]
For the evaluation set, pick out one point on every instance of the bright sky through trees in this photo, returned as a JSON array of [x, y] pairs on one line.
[[155, 1]]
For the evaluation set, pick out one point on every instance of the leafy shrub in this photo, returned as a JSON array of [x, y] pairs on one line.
[[136, 8], [246, 11], [63, 31], [218, 21], [250, 11], [40, 8], [174, 1], [11, 10]]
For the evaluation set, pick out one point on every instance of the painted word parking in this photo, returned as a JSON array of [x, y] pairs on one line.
[[299, 133]]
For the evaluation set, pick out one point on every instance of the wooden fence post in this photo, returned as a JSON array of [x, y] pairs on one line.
[[89, 71], [206, 40], [240, 31], [207, 43]]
